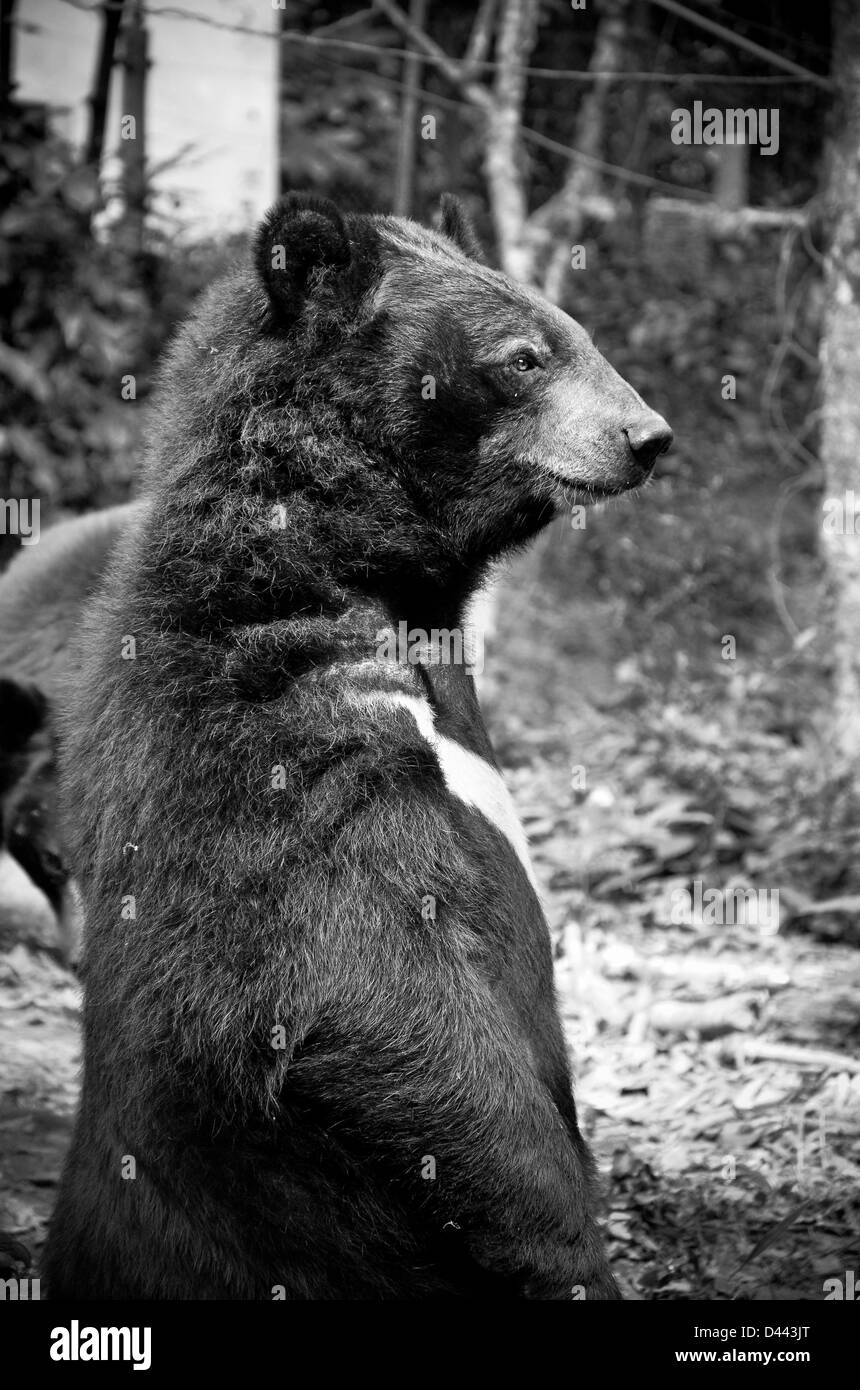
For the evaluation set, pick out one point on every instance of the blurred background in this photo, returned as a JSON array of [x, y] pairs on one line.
[[671, 680]]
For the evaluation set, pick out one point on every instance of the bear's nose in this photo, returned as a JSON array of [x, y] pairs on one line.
[[648, 438]]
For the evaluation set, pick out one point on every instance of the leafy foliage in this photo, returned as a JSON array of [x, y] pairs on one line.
[[78, 315]]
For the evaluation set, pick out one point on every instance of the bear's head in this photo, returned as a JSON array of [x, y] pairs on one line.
[[409, 412], [495, 408]]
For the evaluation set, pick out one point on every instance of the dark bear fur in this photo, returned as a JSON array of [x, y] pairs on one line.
[[255, 780]]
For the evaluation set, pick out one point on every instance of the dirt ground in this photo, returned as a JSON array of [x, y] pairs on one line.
[[39, 1069]]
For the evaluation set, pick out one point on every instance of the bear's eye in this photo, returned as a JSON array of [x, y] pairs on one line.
[[524, 362]]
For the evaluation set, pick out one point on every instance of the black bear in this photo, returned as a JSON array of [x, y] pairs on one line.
[[322, 1053], [43, 592], [42, 595]]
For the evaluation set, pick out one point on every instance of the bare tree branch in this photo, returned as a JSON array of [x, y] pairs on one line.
[[473, 91], [481, 36]]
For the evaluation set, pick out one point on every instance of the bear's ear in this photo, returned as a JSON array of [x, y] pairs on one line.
[[455, 224], [299, 235], [22, 713]]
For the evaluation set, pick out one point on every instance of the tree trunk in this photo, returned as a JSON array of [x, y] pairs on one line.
[[840, 357], [568, 208], [404, 186], [503, 151]]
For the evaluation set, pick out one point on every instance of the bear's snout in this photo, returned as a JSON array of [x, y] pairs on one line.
[[648, 437]]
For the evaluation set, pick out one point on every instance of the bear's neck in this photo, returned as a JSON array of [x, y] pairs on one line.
[[258, 529], [219, 560]]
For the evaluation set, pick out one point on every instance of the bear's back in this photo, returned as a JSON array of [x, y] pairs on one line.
[[45, 588]]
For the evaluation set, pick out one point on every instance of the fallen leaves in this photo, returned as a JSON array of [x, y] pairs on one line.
[[717, 1070]]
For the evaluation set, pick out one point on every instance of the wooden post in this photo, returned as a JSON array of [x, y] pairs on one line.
[[7, 53], [98, 98], [731, 184]]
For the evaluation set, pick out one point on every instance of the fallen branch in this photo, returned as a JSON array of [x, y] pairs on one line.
[[760, 1050], [696, 973], [849, 903], [736, 1012]]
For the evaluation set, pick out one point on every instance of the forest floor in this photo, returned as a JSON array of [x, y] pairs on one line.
[[717, 1062], [718, 1081], [715, 1031]]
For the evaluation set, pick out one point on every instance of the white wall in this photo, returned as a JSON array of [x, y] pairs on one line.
[[208, 88]]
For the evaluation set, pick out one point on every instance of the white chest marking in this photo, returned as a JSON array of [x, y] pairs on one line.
[[467, 776]]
